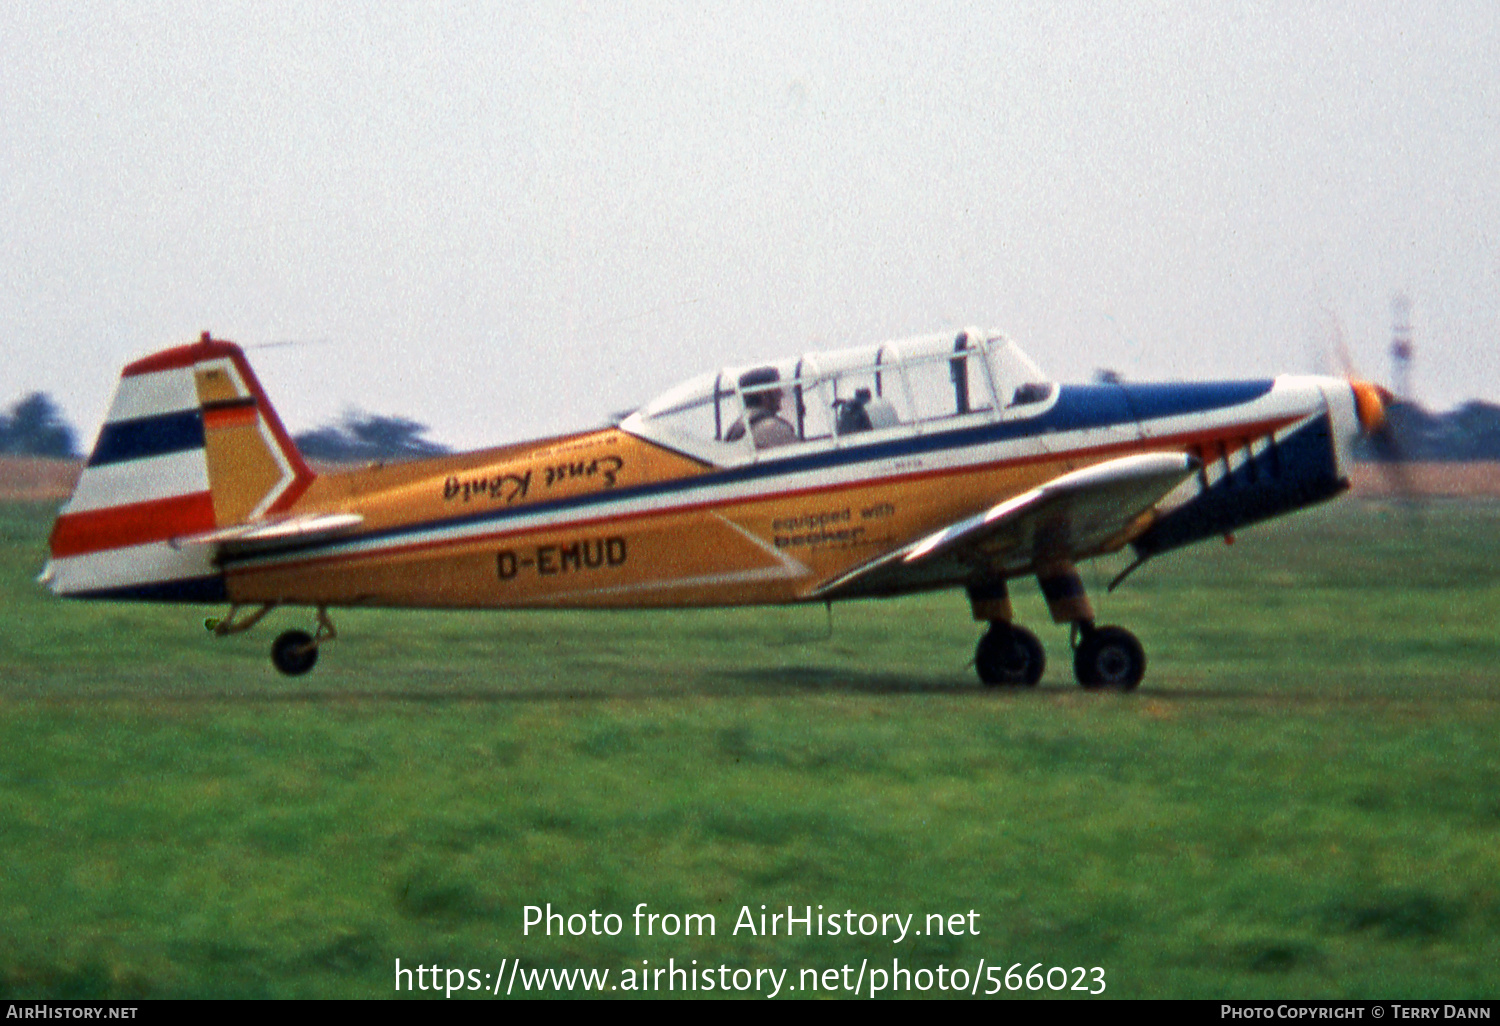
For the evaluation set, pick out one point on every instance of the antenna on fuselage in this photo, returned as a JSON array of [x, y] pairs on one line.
[[287, 343]]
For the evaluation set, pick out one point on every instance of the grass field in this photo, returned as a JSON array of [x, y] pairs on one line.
[[1303, 799]]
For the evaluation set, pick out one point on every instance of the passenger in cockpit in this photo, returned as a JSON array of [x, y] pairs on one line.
[[767, 428], [852, 416], [864, 413]]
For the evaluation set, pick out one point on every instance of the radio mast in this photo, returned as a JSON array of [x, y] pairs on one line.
[[1401, 347]]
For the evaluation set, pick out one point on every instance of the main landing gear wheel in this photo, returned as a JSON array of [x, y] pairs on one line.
[[1109, 657], [1009, 655], [294, 653]]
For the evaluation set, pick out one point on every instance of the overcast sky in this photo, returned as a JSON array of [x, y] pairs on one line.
[[507, 220]]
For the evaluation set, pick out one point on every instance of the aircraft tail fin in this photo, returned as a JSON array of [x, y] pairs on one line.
[[190, 445]]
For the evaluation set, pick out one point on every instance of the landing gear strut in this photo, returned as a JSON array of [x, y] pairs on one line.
[[1103, 657], [296, 652]]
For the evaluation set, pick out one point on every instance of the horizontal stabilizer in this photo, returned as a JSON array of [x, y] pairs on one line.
[[276, 533]]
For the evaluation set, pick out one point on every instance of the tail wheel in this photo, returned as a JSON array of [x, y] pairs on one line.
[[1109, 657], [294, 653], [1009, 655]]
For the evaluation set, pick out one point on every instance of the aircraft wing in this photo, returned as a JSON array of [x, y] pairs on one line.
[[1071, 517]]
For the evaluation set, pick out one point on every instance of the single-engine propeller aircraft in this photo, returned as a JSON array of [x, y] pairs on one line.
[[936, 462]]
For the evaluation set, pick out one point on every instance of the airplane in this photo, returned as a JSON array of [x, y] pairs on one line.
[[944, 461]]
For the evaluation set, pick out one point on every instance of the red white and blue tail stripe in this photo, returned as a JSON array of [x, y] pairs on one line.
[[190, 444]]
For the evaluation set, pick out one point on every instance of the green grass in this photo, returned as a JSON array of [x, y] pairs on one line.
[[1303, 799]]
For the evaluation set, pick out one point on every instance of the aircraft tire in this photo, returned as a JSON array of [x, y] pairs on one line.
[[1009, 656], [1109, 658], [293, 653]]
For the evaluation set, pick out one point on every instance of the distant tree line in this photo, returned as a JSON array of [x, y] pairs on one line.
[[1471, 432], [363, 437], [35, 427]]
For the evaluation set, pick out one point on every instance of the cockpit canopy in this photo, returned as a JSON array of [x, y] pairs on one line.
[[845, 397]]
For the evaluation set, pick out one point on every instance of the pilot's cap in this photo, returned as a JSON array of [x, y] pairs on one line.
[[759, 376], [764, 398]]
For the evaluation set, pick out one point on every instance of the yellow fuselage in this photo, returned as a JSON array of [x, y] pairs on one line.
[[607, 519]]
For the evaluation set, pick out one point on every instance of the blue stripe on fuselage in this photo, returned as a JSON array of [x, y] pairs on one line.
[[1152, 402], [1078, 408], [148, 436]]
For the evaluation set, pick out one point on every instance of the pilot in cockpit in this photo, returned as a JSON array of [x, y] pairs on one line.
[[762, 409]]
